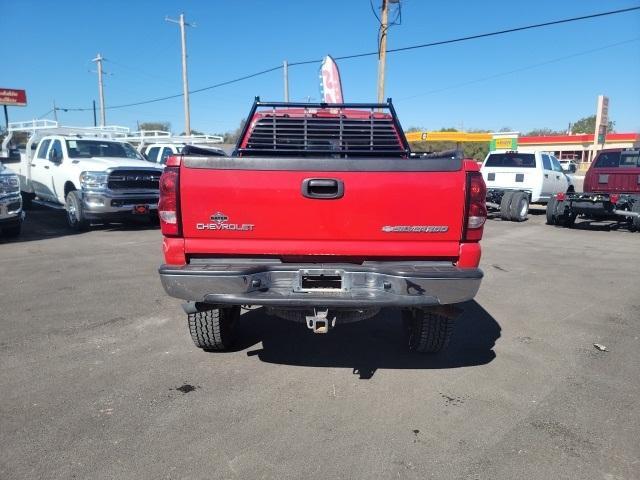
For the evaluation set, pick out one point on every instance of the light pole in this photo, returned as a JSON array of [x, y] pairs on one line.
[[185, 82], [285, 72]]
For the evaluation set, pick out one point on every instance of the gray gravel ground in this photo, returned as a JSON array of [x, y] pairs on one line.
[[96, 369]]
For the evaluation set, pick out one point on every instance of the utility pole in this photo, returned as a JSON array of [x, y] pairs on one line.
[[285, 71], [382, 52], [99, 58], [55, 111], [185, 82]]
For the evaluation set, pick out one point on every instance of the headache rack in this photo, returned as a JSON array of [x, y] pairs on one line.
[[323, 130]]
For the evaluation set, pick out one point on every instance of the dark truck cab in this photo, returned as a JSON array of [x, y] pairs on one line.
[[321, 215], [611, 191]]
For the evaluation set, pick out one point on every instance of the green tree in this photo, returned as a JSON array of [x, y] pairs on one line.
[[194, 132], [164, 126], [232, 137], [543, 132], [588, 125]]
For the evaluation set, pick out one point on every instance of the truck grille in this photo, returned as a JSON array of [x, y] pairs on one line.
[[324, 136], [134, 179]]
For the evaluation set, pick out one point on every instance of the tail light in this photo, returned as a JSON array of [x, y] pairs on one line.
[[614, 197], [168, 206], [561, 196], [476, 211]]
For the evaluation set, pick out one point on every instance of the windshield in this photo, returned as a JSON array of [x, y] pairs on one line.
[[511, 160], [101, 148]]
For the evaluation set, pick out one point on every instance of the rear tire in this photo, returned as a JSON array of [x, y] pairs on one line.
[[75, 213], [214, 330], [552, 218], [519, 207], [505, 206], [635, 221], [427, 331]]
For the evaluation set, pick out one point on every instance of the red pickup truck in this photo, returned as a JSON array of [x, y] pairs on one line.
[[611, 191], [322, 214]]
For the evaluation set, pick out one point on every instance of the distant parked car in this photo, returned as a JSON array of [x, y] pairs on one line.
[[611, 192], [515, 179], [569, 166]]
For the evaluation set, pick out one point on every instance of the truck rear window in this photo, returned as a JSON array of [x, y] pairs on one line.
[[608, 160], [618, 160], [630, 160], [511, 160]]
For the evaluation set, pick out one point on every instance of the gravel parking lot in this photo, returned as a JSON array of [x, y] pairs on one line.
[[101, 380]]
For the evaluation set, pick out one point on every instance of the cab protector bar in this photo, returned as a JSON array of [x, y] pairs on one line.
[[322, 105]]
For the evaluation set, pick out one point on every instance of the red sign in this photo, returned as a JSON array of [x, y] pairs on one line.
[[11, 96], [330, 84]]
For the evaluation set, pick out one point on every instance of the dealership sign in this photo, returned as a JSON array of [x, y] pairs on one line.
[[330, 84], [11, 96]]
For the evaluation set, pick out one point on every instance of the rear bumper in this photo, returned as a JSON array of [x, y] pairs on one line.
[[378, 284]]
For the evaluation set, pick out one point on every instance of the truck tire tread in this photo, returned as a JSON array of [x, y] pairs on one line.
[[213, 330], [635, 221], [428, 332], [552, 218], [516, 207], [505, 206]]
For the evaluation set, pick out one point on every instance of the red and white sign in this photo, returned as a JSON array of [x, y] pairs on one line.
[[330, 84], [11, 96]]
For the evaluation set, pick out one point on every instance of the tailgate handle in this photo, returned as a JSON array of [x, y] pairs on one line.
[[323, 188]]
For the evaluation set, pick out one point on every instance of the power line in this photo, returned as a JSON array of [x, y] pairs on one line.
[[492, 34], [527, 67], [367, 54]]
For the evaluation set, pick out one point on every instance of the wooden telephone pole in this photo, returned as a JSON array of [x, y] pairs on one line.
[[382, 52]]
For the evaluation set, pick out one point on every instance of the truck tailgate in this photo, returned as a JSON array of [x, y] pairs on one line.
[[231, 208], [614, 180], [517, 178]]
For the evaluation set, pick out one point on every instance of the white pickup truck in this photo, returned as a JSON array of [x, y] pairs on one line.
[[88, 172], [158, 145], [516, 179], [11, 214]]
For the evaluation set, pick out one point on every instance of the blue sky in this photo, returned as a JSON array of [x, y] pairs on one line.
[[48, 46]]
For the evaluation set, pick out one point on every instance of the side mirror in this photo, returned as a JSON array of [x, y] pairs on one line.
[[572, 168]]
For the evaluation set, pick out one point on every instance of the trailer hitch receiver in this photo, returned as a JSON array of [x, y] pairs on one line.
[[320, 322]]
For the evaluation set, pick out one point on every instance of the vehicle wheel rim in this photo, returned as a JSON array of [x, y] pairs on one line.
[[523, 208], [71, 212]]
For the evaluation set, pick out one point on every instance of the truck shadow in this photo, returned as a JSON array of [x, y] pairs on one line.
[[599, 226], [369, 345], [42, 223]]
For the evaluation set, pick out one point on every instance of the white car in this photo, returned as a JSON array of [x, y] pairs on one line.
[[516, 179], [96, 178]]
